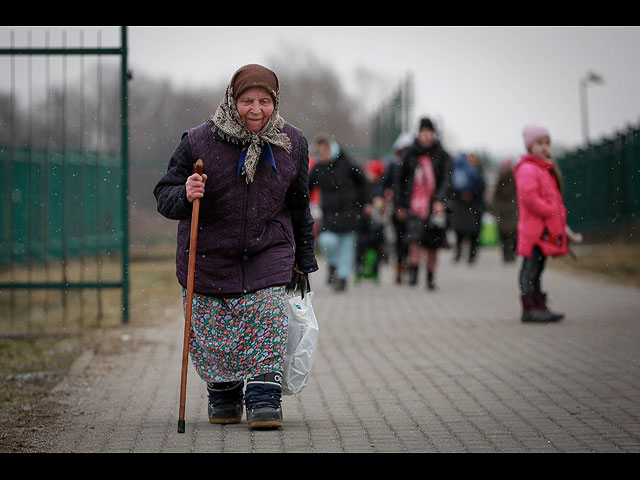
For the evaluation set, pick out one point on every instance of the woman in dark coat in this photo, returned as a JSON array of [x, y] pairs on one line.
[[424, 184], [255, 236]]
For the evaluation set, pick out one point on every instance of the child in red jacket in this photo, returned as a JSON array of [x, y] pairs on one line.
[[542, 221]]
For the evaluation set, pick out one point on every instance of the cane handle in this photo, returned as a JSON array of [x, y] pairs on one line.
[[197, 167]]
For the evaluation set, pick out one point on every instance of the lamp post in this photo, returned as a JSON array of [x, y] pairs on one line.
[[593, 79]]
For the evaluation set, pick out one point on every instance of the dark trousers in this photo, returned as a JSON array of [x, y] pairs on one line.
[[508, 243], [402, 246], [531, 271], [473, 244]]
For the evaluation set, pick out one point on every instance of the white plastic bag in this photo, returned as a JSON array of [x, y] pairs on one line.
[[302, 341]]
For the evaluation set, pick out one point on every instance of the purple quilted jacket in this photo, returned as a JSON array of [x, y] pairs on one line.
[[250, 235]]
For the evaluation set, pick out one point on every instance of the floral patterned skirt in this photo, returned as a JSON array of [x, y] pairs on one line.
[[234, 338]]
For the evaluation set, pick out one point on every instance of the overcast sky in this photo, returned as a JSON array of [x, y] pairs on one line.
[[481, 84]]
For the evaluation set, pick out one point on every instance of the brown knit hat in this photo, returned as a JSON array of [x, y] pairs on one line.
[[254, 75]]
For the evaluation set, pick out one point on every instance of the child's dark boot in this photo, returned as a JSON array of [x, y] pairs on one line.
[[532, 311], [542, 304]]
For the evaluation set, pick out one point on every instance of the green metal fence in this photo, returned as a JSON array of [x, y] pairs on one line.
[[58, 205], [391, 119], [602, 182], [61, 206]]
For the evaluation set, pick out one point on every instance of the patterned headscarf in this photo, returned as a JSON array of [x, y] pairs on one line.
[[231, 127]]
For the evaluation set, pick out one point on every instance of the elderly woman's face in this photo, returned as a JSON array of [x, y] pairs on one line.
[[255, 107]]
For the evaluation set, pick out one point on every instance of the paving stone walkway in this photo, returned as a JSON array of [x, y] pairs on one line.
[[398, 369]]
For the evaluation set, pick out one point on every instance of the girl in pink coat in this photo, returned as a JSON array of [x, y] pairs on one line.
[[542, 221]]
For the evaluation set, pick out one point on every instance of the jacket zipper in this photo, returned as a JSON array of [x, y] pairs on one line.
[[243, 243]]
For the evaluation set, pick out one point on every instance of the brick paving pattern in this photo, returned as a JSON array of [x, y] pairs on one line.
[[398, 369]]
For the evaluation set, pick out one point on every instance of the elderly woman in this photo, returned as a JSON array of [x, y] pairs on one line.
[[255, 238]]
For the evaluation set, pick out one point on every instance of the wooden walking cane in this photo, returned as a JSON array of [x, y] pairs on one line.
[[197, 168]]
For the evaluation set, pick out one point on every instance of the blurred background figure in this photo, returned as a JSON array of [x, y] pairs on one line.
[[314, 199], [424, 185], [390, 185], [504, 206], [371, 240], [374, 172], [468, 203], [344, 199]]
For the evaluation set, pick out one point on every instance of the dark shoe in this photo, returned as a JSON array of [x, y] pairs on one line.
[[431, 283], [413, 275], [531, 311], [340, 285], [399, 273], [225, 402], [262, 398], [541, 300], [332, 275]]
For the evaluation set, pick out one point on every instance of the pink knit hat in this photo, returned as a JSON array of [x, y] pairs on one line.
[[532, 132]]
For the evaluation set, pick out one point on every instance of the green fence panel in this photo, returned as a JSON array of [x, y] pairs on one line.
[[602, 182], [60, 205]]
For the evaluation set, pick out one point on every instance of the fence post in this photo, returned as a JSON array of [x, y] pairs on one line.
[[125, 179]]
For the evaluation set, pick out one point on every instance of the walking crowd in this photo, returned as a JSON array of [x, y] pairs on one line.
[[432, 201], [259, 186], [404, 208]]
